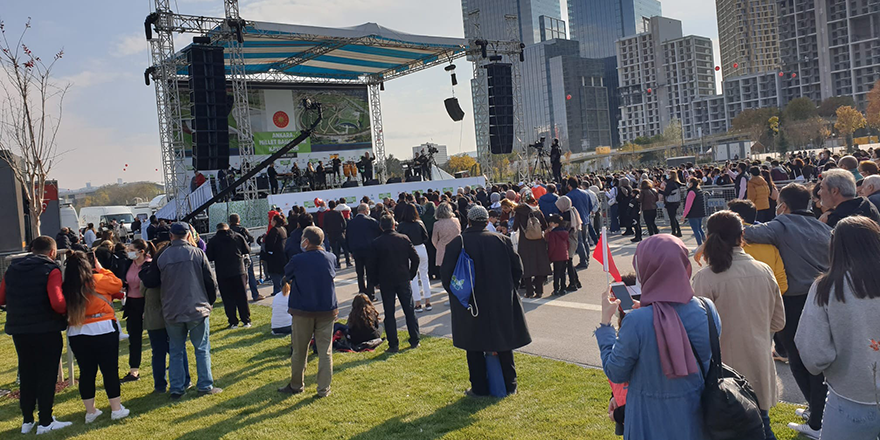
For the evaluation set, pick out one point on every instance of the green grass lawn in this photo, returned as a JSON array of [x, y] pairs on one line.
[[416, 394]]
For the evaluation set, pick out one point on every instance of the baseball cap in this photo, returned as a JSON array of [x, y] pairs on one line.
[[180, 228]]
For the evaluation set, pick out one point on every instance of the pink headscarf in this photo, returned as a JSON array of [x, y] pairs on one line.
[[664, 270]]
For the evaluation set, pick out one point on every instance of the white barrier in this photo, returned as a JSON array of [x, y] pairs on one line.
[[376, 193]]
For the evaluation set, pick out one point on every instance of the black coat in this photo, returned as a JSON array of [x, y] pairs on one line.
[[274, 245], [394, 259], [227, 249], [361, 232], [415, 231], [334, 224], [857, 206], [501, 322]]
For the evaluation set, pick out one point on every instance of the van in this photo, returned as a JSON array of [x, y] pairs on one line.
[[69, 219], [98, 214]]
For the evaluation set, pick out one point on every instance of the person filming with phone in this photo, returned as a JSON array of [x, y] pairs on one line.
[[653, 348]]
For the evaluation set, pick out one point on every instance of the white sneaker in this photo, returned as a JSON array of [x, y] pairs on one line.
[[806, 430], [26, 428], [123, 336], [803, 413], [93, 416], [54, 426], [121, 414], [248, 325]]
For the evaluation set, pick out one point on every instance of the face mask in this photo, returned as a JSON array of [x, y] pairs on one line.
[[132, 255], [778, 209], [303, 245]]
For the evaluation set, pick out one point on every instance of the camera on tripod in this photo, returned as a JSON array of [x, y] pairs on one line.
[[432, 150], [539, 146]]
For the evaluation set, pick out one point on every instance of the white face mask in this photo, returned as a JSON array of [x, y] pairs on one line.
[[303, 245], [132, 255]]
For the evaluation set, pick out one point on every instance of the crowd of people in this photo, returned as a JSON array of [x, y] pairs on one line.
[[788, 271]]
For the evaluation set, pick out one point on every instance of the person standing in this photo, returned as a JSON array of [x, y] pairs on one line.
[[189, 289], [581, 201], [758, 191], [228, 251], [360, 233], [35, 309], [395, 263], [749, 302], [366, 166], [138, 252], [672, 200], [90, 238], [803, 243], [235, 226], [695, 210], [89, 291], [839, 196], [334, 228], [500, 326], [648, 198], [411, 225], [557, 245], [312, 303], [530, 225], [275, 257], [273, 178], [446, 229], [839, 320]]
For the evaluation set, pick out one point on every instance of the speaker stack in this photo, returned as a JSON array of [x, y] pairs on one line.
[[208, 105], [500, 87]]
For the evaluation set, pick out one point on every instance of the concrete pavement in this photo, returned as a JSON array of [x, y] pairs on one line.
[[561, 327]]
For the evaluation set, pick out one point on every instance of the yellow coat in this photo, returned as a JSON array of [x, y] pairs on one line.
[[758, 191], [769, 255]]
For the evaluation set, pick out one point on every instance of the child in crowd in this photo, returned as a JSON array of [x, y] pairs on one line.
[[281, 319], [493, 218], [557, 242], [363, 321]]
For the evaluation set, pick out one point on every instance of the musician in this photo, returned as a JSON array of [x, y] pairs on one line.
[[556, 160], [297, 175], [337, 168], [426, 166], [310, 174], [273, 178], [366, 167], [321, 175]]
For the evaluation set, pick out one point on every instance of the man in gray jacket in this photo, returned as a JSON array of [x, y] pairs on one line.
[[188, 291], [803, 243]]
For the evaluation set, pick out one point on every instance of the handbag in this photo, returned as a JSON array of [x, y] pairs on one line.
[[462, 283], [730, 406]]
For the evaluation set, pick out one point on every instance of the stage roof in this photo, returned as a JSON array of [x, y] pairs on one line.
[[368, 51]]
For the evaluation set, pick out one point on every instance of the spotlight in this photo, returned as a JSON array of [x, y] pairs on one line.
[[151, 19], [147, 72], [482, 44], [454, 80], [495, 58], [522, 55], [382, 86], [449, 68]]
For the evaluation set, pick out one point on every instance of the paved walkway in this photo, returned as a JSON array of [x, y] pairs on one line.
[[561, 327]]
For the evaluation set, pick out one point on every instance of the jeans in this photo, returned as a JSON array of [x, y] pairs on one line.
[[38, 358], [403, 292], [276, 282], [93, 353], [583, 247], [812, 387], [697, 226], [252, 280], [302, 330], [477, 370], [559, 268], [613, 215], [198, 334], [845, 419], [768, 431], [422, 274], [159, 346]]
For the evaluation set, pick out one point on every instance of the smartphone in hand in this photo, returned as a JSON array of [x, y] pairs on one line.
[[622, 293]]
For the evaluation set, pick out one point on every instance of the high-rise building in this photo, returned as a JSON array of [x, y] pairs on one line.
[[493, 21], [564, 97], [829, 48], [747, 36], [661, 72], [597, 24]]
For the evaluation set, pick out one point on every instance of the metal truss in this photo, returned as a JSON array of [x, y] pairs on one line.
[[480, 95], [241, 106], [168, 107], [514, 58], [378, 133]]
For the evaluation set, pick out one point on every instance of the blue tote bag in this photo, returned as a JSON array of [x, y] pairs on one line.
[[462, 283]]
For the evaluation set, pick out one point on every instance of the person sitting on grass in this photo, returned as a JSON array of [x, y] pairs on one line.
[[363, 321], [281, 319]]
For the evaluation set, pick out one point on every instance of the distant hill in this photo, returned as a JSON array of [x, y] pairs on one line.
[[120, 194]]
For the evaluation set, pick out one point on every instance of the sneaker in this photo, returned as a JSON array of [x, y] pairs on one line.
[[54, 426], [121, 413], [287, 389], [93, 416], [213, 390], [582, 266], [429, 307], [259, 298], [803, 413], [26, 428], [571, 288], [805, 430], [129, 378], [232, 327], [419, 309], [392, 350], [176, 396], [248, 325], [122, 337]]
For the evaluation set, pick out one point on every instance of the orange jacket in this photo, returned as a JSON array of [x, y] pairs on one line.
[[108, 287], [758, 191]]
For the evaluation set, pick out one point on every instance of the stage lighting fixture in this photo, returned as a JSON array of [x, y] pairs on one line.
[[451, 68], [482, 44], [147, 73], [152, 18], [522, 55], [237, 25], [382, 86], [202, 40], [454, 80], [495, 58]]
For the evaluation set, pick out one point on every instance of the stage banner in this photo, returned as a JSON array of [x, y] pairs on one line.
[[376, 193]]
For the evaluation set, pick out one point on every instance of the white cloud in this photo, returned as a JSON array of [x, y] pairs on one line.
[[90, 78], [130, 45]]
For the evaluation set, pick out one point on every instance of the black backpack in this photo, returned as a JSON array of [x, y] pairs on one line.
[[730, 406]]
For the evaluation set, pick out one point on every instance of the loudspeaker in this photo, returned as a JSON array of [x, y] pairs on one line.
[[209, 106], [350, 184], [413, 179], [15, 227], [394, 180], [372, 182], [454, 109], [500, 85]]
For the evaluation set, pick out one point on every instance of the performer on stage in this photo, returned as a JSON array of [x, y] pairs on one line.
[[321, 175], [337, 168], [366, 167], [273, 178], [556, 160], [297, 175], [426, 166]]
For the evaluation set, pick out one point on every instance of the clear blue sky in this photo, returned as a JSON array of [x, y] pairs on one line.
[[110, 115]]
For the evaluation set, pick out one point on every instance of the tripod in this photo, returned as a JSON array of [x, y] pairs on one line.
[[541, 168]]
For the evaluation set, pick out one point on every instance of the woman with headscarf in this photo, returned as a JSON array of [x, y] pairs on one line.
[[532, 251], [495, 199], [573, 224], [653, 349]]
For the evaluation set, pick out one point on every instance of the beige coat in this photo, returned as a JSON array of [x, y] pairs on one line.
[[445, 230], [751, 310]]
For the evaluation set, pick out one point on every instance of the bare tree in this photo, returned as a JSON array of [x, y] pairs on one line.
[[30, 115]]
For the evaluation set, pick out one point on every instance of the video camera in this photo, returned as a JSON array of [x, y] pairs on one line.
[[432, 150], [539, 146]]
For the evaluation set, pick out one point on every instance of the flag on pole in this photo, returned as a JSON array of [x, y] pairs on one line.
[[603, 255]]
